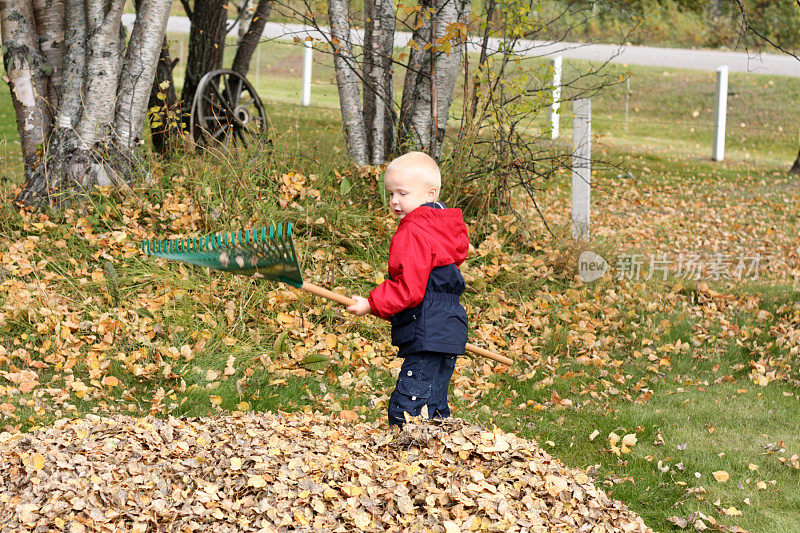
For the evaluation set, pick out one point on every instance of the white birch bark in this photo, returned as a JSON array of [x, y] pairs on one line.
[[138, 70], [417, 109], [23, 62], [102, 71], [72, 72], [348, 82], [378, 97], [49, 16], [245, 17]]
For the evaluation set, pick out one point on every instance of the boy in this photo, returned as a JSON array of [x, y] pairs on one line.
[[429, 325]]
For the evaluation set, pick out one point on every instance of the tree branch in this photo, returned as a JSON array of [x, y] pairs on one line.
[[747, 27], [188, 8]]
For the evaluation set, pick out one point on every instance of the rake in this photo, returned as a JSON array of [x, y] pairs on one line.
[[259, 254]]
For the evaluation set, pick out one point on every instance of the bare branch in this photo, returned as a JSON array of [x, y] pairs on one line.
[[188, 8], [746, 27]]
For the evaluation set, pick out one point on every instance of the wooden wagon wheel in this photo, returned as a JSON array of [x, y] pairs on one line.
[[227, 108]]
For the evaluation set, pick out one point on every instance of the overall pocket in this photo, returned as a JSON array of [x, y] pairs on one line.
[[404, 326], [409, 396]]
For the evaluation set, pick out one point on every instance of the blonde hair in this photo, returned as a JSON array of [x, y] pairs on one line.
[[419, 164]]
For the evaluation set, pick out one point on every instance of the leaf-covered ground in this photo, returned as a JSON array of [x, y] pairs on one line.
[[278, 472], [654, 386]]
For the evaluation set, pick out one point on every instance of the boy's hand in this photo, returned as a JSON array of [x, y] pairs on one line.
[[361, 307]]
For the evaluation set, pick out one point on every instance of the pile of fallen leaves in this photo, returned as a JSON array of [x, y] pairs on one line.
[[244, 472]]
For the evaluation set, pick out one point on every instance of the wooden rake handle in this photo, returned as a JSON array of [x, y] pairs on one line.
[[345, 300]]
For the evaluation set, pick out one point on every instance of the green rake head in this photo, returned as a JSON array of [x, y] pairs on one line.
[[250, 253]]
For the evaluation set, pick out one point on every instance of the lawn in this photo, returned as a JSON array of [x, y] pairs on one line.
[[701, 367]]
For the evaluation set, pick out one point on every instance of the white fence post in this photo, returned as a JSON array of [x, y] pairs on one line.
[[720, 113], [627, 99], [553, 111], [581, 166], [307, 62]]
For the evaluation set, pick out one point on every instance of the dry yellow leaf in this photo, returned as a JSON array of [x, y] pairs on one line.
[[628, 442], [451, 527], [215, 400], [110, 381], [352, 490], [362, 519], [348, 415], [257, 481], [38, 462], [594, 435], [285, 318], [721, 476], [761, 485], [331, 341], [752, 467], [581, 477], [555, 484], [236, 463], [405, 504]]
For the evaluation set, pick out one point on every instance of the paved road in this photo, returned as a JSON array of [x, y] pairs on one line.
[[773, 64]]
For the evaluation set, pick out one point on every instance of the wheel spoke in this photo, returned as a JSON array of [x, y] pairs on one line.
[[215, 135], [222, 99], [216, 110], [237, 132]]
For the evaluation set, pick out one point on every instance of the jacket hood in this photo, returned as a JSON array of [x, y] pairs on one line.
[[446, 230]]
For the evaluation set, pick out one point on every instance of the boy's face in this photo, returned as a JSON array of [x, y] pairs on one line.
[[407, 191]]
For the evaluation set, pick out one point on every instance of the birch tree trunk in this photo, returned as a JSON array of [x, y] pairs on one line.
[[71, 94], [49, 17], [249, 41], [433, 67], [379, 117], [102, 71], [23, 63], [348, 82], [64, 56], [138, 70], [245, 17]]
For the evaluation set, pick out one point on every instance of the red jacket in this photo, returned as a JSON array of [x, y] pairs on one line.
[[426, 238]]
